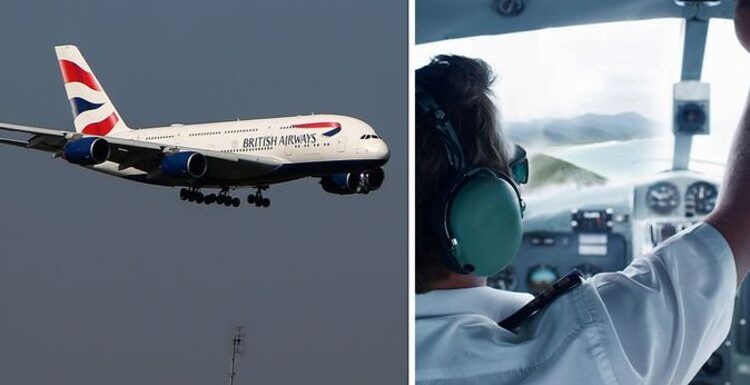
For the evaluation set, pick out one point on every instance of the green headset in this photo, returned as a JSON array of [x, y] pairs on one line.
[[478, 217]]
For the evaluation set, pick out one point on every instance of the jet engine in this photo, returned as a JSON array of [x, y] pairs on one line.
[[86, 151], [186, 164], [361, 182]]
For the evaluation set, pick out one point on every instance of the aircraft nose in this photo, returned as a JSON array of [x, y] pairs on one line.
[[381, 150]]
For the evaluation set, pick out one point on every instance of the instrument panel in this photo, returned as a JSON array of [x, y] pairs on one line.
[[544, 257], [678, 195]]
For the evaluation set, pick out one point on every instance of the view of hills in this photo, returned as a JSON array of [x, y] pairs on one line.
[[551, 171], [584, 129]]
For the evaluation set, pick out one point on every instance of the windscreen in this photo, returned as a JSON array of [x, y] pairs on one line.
[[593, 103]]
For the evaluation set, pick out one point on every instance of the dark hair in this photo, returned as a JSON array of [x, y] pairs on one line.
[[461, 86]]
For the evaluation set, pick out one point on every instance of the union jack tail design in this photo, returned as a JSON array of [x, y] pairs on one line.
[[93, 112]]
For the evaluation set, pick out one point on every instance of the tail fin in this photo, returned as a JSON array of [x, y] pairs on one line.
[[93, 112]]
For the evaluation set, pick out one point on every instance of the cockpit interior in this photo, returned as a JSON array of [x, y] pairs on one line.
[[626, 110]]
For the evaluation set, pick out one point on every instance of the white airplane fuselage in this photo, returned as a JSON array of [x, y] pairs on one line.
[[310, 145], [344, 152]]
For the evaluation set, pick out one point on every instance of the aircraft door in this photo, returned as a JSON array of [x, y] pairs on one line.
[[341, 144]]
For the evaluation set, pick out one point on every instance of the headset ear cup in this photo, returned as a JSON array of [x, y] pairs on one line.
[[484, 217], [441, 226]]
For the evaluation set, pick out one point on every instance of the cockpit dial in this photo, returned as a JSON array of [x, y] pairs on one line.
[[663, 197], [541, 277], [700, 198]]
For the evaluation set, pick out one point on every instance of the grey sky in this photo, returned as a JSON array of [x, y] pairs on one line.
[[107, 281]]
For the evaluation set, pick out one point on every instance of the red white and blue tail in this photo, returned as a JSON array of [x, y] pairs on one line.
[[93, 112]]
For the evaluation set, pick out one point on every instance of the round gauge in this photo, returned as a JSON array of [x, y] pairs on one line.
[[504, 280], [662, 198], [541, 277], [588, 270], [700, 197], [691, 118]]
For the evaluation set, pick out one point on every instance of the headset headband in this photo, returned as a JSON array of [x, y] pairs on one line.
[[432, 109]]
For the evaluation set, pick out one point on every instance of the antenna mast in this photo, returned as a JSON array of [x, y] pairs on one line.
[[236, 342]]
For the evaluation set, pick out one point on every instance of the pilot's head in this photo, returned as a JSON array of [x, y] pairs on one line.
[[460, 86]]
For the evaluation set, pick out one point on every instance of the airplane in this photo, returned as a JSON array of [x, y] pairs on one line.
[[344, 152], [613, 185]]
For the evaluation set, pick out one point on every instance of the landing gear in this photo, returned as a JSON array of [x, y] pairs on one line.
[[224, 199], [259, 202], [193, 194], [258, 198]]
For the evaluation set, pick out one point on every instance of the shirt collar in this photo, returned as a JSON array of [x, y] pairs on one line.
[[493, 303]]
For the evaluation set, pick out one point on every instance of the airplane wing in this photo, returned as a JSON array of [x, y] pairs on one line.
[[145, 156], [44, 139]]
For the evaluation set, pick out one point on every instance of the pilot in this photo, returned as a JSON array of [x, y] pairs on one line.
[[656, 322]]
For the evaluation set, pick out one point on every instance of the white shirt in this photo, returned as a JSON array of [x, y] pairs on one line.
[[656, 322]]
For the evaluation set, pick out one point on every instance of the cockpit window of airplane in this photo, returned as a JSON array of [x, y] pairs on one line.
[[593, 103]]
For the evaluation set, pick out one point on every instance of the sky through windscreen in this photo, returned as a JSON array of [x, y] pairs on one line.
[[611, 68]]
